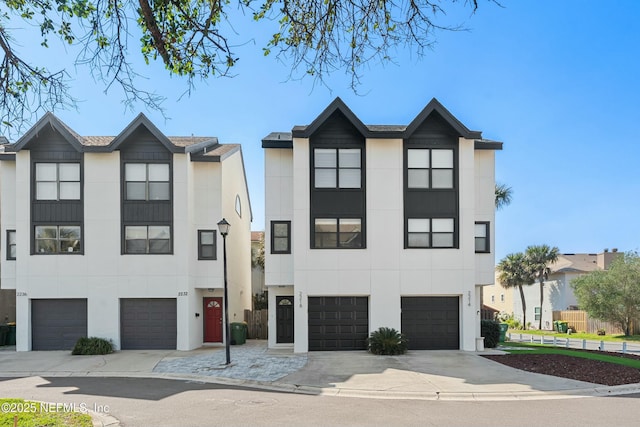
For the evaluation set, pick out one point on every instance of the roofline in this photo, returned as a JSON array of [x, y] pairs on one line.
[[142, 120], [336, 105], [435, 105], [8, 157], [196, 157], [48, 119], [484, 144]]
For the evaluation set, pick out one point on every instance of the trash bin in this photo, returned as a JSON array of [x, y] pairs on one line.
[[238, 333], [11, 335], [4, 331], [555, 325], [503, 331], [563, 327]]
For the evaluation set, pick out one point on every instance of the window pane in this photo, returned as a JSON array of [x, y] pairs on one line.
[[417, 225], [350, 233], [12, 237], [442, 158], [442, 178], [418, 240], [69, 191], [325, 178], [159, 232], [12, 251], [349, 157], [326, 225], [324, 158], [69, 232], [418, 158], [281, 244], [481, 244], [136, 246], [206, 238], [481, 230], [326, 240], [136, 191], [135, 232], [442, 225], [135, 172], [418, 178], [46, 191], [207, 251], [159, 172], [160, 246], [46, 232], [46, 172], [69, 171], [158, 191], [280, 230], [349, 178], [442, 240], [69, 245], [46, 246]]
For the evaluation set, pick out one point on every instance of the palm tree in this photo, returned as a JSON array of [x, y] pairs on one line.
[[513, 271], [539, 258], [503, 195]]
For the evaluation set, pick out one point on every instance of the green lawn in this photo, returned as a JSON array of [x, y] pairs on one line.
[[578, 336], [34, 414], [543, 349]]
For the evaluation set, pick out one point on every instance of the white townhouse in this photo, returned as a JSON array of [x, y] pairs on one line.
[[372, 226], [116, 237]]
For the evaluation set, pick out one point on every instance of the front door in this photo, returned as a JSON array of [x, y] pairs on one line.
[[284, 319], [213, 320]]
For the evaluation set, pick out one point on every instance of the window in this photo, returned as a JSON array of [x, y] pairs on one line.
[[337, 167], [536, 310], [430, 168], [146, 181], [482, 237], [11, 244], [430, 233], [57, 239], [57, 181], [238, 206], [147, 239], [502, 297], [280, 237], [338, 233], [207, 244], [493, 298]]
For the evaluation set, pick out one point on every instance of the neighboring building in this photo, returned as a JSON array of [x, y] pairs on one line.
[[558, 294], [116, 237], [257, 271], [499, 298], [372, 226]]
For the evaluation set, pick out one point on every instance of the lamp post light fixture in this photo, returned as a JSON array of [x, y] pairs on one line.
[[223, 227]]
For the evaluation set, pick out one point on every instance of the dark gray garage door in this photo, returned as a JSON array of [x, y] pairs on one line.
[[148, 323], [431, 323], [56, 324], [338, 323]]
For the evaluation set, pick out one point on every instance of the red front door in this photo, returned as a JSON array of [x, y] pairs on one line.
[[213, 320]]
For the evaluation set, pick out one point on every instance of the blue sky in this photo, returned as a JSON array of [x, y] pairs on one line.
[[557, 82]]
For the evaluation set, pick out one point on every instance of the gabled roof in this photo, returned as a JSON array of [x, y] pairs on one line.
[[142, 121], [49, 119], [336, 105], [568, 263], [435, 105]]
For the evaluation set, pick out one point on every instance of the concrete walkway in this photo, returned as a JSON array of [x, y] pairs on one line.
[[432, 375]]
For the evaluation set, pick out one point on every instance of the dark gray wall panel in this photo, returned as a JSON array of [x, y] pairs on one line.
[[431, 323], [142, 145], [56, 324], [146, 212], [148, 323], [63, 212], [428, 204]]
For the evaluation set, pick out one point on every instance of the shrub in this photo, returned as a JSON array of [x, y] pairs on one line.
[[261, 301], [490, 330], [92, 345], [387, 341]]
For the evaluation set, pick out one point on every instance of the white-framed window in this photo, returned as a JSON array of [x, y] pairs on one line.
[[537, 313], [147, 239], [481, 231], [57, 239], [337, 168], [430, 168], [207, 245], [430, 232], [57, 181], [502, 297], [11, 244], [338, 233], [147, 181], [238, 206]]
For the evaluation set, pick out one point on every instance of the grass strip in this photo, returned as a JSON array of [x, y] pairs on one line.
[[593, 355]]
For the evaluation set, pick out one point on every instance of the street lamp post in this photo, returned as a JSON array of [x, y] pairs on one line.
[[223, 227]]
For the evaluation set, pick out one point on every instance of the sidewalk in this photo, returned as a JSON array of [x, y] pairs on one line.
[[427, 375]]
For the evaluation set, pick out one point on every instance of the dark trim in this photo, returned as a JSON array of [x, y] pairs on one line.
[[215, 245], [57, 225], [204, 157], [278, 140], [487, 244], [435, 105], [281, 144], [288, 224], [56, 124], [430, 233], [485, 144], [10, 157], [8, 247], [363, 242], [124, 240], [142, 121], [336, 105]]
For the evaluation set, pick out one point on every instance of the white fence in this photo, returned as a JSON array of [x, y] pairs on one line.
[[568, 342]]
